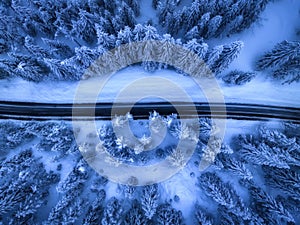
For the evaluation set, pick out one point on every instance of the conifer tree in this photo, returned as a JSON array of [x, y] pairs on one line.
[[112, 213], [269, 209], [84, 27], [149, 200], [280, 55], [58, 49], [237, 77], [228, 54], [167, 215]]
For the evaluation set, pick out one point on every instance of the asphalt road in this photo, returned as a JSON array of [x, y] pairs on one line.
[[48, 111]]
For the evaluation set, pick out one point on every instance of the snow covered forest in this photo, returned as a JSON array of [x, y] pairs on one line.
[[59, 40], [253, 179]]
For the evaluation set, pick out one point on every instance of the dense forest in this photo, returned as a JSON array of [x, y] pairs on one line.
[[263, 187], [60, 40]]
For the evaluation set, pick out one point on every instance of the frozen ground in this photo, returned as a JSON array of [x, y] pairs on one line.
[[260, 90], [278, 23]]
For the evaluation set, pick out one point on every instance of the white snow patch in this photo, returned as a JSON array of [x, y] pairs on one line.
[[258, 91], [184, 187]]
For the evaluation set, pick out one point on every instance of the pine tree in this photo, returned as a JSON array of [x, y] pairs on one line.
[[165, 8], [112, 212], [149, 200], [223, 194], [203, 23], [110, 5], [138, 32], [150, 33], [96, 6], [149, 66], [26, 16], [193, 33], [155, 3], [34, 49], [192, 15], [229, 218], [252, 13], [206, 15], [104, 39], [98, 183], [24, 187], [124, 36], [206, 128], [76, 177], [62, 71], [292, 130], [3, 73], [3, 46], [6, 3], [84, 27], [260, 153], [11, 31], [64, 20], [55, 136], [135, 6], [109, 23], [165, 53], [235, 166], [28, 68], [167, 215], [268, 208], [284, 59], [85, 56], [276, 138], [229, 53], [288, 73], [8, 66], [47, 17], [95, 211], [237, 77], [125, 16], [67, 202], [58, 49], [213, 26], [116, 148], [286, 180], [135, 216], [281, 54], [13, 135], [128, 190], [234, 26], [174, 22], [199, 48], [213, 55], [201, 218], [73, 212], [12, 166], [290, 205]]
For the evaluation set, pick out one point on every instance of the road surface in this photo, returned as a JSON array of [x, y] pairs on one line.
[[48, 111]]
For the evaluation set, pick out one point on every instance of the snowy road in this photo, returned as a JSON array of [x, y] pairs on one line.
[[46, 111]]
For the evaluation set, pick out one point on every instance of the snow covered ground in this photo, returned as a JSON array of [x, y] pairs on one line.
[[278, 23], [260, 90]]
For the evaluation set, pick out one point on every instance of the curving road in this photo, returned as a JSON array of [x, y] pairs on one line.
[[48, 111]]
